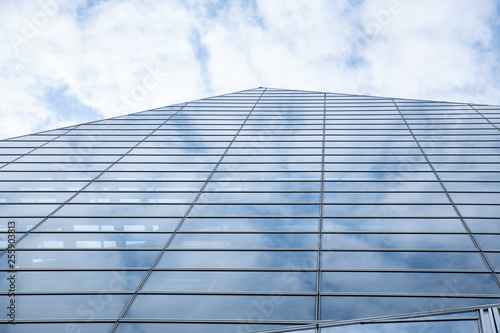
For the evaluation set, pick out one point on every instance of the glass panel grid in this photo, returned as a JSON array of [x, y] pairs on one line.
[[269, 207]]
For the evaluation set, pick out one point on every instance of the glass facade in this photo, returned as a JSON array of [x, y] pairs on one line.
[[263, 210]]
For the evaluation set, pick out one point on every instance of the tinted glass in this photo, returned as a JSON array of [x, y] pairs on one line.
[[239, 259], [220, 307]]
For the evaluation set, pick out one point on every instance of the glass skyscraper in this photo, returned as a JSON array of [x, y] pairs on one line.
[[262, 210]]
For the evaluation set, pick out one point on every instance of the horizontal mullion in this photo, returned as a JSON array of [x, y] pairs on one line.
[[158, 321], [430, 295], [169, 292], [238, 181], [237, 204], [258, 232], [263, 270], [405, 270], [281, 293], [327, 249], [174, 269]]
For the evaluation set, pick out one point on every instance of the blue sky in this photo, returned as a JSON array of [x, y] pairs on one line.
[[64, 62]]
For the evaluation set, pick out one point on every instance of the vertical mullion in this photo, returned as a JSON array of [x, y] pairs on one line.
[[320, 226]]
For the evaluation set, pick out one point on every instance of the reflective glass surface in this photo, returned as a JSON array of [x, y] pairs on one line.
[[462, 326], [108, 224], [61, 281], [344, 308], [249, 224], [232, 281], [93, 240], [484, 225], [412, 283], [221, 307], [275, 197], [82, 259], [70, 306], [402, 259], [134, 198], [228, 240], [393, 225], [379, 186], [353, 197], [239, 259], [237, 186], [254, 210], [61, 327], [397, 241], [387, 210], [144, 186], [194, 327], [264, 209], [144, 210]]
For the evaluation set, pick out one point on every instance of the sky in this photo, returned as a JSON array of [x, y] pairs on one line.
[[64, 62]]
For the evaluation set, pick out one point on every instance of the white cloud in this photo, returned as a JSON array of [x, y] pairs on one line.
[[124, 56], [434, 50]]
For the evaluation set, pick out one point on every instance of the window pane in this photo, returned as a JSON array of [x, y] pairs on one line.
[[353, 197], [193, 328], [380, 175], [262, 197], [491, 211], [476, 198], [489, 242], [484, 225], [344, 308], [269, 167], [249, 224], [494, 258], [462, 326], [239, 259], [32, 197], [266, 176], [143, 210], [414, 283], [272, 159], [389, 211], [145, 186], [405, 260], [94, 240], [211, 241], [220, 307], [239, 210], [472, 187], [375, 186], [142, 176], [26, 210], [66, 175], [83, 259], [103, 281], [66, 306], [262, 186], [89, 224], [394, 225], [103, 197], [377, 167], [50, 328], [162, 167], [275, 282], [397, 241], [42, 186]]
